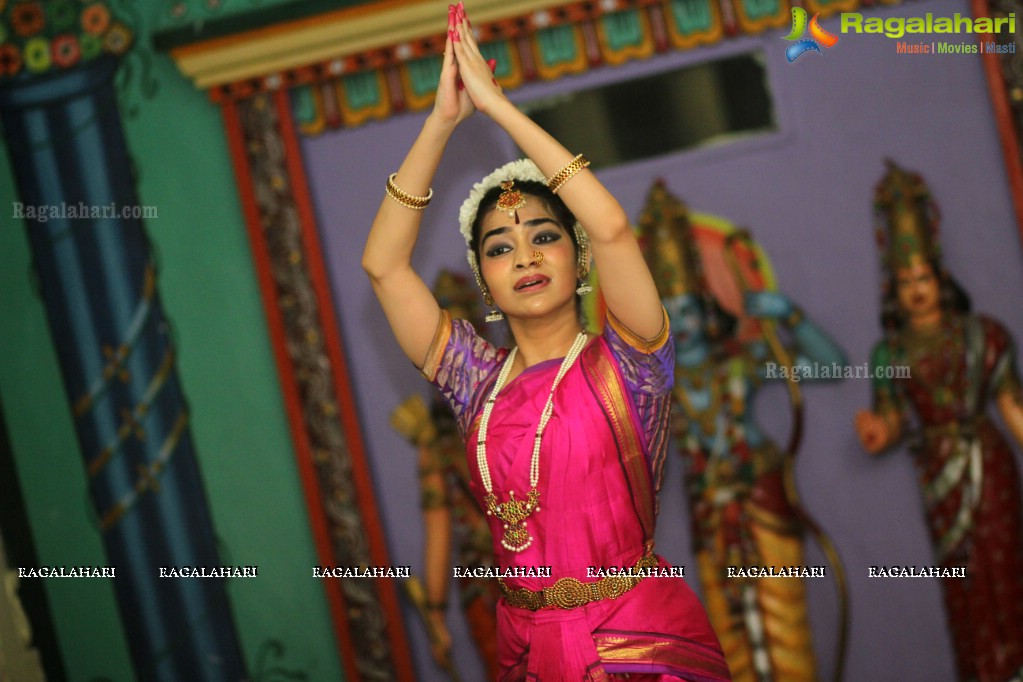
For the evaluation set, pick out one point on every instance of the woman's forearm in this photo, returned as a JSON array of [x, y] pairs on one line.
[[626, 284], [437, 554], [395, 229], [591, 203], [408, 303]]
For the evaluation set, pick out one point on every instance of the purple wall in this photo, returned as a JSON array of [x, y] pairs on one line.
[[806, 193]]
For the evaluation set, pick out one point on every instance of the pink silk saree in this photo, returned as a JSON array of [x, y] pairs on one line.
[[597, 503]]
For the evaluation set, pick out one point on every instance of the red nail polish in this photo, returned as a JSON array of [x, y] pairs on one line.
[[492, 63]]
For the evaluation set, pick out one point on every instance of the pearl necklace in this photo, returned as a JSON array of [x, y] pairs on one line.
[[515, 512]]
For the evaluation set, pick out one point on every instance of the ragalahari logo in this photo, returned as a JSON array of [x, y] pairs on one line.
[[818, 36]]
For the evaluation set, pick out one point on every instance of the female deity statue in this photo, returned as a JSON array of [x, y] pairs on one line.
[[452, 519], [742, 513], [959, 364]]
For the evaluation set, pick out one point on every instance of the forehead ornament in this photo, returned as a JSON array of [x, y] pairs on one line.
[[510, 200]]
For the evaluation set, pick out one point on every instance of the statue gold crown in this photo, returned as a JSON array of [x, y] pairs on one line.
[[454, 294], [669, 245], [906, 218]]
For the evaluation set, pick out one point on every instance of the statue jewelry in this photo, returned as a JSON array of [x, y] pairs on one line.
[[515, 512], [935, 356], [696, 380]]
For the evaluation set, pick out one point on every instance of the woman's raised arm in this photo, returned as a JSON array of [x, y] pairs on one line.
[[408, 303], [625, 280]]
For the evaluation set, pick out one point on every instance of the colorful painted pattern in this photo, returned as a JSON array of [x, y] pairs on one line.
[[45, 37], [543, 45]]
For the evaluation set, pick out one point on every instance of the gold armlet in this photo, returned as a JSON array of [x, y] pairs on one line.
[[406, 199], [557, 181]]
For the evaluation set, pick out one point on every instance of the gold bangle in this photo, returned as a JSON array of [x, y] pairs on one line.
[[567, 171], [406, 199]]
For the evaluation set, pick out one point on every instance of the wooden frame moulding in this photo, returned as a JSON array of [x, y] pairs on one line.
[[305, 338]]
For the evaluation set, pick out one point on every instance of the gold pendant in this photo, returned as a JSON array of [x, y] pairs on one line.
[[514, 514]]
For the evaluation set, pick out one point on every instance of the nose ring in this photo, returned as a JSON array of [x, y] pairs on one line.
[[537, 257]]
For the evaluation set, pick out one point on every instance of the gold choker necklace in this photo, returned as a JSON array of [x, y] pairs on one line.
[[515, 512]]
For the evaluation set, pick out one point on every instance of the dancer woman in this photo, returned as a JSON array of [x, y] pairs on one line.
[[563, 428]]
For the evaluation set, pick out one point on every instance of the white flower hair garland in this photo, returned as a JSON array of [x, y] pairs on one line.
[[523, 169]]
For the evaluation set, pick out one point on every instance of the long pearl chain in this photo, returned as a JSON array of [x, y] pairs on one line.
[[515, 512]]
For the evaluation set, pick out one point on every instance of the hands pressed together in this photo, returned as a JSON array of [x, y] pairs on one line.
[[467, 82]]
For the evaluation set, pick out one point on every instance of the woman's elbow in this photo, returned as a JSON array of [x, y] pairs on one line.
[[373, 267], [613, 227]]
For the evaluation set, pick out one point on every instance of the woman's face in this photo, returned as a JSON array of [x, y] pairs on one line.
[[686, 318], [529, 266], [917, 290]]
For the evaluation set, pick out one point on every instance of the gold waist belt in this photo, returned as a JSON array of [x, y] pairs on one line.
[[569, 593]]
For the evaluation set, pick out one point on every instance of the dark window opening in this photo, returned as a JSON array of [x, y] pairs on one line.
[[696, 106]]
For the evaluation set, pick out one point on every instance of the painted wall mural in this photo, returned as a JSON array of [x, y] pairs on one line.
[[98, 281], [308, 142]]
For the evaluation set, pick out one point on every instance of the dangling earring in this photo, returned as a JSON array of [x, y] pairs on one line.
[[583, 261], [494, 315]]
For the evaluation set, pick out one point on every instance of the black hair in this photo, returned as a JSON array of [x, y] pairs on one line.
[[555, 206], [534, 188]]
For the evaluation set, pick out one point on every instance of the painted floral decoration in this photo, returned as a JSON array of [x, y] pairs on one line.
[[43, 36]]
